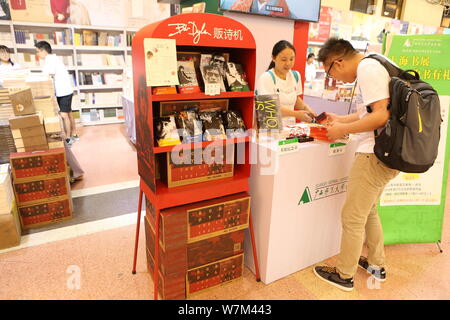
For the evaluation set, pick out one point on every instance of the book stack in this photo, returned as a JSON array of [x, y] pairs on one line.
[[7, 145], [10, 230], [41, 186], [29, 133], [6, 110], [201, 244]]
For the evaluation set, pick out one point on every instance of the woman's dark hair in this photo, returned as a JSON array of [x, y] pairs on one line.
[[335, 47], [44, 45], [277, 48], [5, 48], [311, 55]]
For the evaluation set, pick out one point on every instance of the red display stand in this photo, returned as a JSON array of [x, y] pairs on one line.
[[194, 32]]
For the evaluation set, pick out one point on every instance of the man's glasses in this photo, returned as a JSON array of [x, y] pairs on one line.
[[329, 69]]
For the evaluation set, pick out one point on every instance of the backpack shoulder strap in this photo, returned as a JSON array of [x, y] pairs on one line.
[[272, 75], [296, 75], [393, 70]]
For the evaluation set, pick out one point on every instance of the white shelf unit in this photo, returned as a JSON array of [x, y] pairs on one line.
[[75, 50]]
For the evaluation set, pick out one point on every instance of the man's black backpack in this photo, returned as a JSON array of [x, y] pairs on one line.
[[409, 141]]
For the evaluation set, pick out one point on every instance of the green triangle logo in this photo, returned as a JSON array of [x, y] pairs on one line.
[[306, 197]]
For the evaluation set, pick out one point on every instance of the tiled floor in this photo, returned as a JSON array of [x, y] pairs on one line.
[[111, 161], [97, 265]]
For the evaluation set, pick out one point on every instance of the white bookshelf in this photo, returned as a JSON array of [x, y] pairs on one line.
[[74, 50]]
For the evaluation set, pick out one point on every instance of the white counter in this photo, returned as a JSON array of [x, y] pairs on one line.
[[296, 206]]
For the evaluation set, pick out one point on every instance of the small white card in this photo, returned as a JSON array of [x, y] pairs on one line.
[[212, 89], [337, 148]]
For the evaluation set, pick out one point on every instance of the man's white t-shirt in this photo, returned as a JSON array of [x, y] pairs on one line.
[[288, 90], [373, 85], [63, 83]]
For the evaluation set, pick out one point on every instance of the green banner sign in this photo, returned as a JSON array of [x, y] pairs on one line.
[[427, 54], [412, 205]]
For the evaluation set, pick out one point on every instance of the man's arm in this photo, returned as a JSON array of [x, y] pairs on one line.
[[372, 121]]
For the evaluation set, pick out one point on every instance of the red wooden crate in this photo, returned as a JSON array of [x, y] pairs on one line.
[[201, 220], [28, 166], [39, 190], [37, 215], [214, 274], [190, 255]]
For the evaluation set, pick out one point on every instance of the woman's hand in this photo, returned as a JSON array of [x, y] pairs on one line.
[[303, 115]]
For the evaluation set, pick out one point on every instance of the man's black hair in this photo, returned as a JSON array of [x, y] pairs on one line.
[[44, 45], [335, 47]]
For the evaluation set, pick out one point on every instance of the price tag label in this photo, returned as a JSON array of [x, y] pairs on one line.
[[212, 89], [288, 146], [337, 149]]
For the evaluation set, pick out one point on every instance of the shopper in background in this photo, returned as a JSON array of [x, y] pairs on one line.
[[368, 175], [6, 64], [280, 79], [63, 87], [310, 69]]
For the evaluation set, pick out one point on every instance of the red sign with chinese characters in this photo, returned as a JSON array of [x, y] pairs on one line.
[[205, 30]]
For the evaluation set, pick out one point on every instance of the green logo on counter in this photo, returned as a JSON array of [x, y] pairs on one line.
[[306, 196], [324, 190]]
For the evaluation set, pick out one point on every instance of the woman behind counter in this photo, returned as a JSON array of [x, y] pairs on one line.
[[6, 64], [282, 80]]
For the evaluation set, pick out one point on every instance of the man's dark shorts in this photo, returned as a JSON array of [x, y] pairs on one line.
[[65, 103]]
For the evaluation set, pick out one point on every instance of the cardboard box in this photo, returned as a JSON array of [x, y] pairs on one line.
[[170, 287], [10, 230], [48, 107], [29, 166], [20, 122], [28, 193], [52, 125], [43, 147], [191, 255], [201, 220], [41, 89], [22, 102], [6, 191], [56, 145], [37, 215], [28, 132], [221, 166], [38, 140], [214, 274]]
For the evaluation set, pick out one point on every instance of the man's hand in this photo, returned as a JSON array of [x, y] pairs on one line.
[[336, 131]]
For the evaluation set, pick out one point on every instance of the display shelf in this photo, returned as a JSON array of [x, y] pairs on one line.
[[202, 144], [100, 106], [42, 25], [54, 47], [72, 49], [96, 28], [99, 48], [94, 123], [195, 96], [105, 68], [177, 196], [103, 87]]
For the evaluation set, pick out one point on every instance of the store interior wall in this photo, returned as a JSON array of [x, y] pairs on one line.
[[417, 11], [420, 11], [267, 31]]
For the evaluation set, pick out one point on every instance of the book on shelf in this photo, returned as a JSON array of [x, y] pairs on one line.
[[187, 77], [89, 38], [236, 77], [103, 39], [212, 71]]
